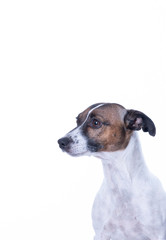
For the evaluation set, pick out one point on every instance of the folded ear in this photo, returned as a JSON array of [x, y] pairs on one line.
[[136, 120]]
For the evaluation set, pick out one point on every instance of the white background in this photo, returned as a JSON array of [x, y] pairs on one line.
[[56, 59]]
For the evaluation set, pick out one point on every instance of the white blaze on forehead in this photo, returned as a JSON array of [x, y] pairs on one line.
[[91, 111], [77, 132]]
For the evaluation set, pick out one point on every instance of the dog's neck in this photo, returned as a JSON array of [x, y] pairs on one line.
[[122, 167]]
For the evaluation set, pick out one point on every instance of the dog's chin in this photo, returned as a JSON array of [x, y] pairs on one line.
[[78, 154]]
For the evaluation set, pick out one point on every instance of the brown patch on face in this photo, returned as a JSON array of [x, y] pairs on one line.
[[82, 116], [112, 135]]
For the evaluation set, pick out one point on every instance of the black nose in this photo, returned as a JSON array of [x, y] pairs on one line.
[[64, 142]]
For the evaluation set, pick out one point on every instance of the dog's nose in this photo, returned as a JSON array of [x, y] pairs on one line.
[[63, 142]]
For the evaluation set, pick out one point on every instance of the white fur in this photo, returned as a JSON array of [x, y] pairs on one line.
[[131, 204], [79, 146]]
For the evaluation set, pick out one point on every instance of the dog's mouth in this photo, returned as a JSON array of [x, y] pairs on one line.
[[76, 152], [73, 149]]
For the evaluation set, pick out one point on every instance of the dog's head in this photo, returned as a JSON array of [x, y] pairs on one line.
[[104, 127]]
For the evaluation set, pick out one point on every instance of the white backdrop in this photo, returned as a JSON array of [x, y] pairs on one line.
[[56, 59]]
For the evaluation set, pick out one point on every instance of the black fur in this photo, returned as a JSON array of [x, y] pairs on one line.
[[93, 146], [136, 120]]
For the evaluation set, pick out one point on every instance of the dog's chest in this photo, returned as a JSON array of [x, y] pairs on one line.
[[113, 205], [114, 202]]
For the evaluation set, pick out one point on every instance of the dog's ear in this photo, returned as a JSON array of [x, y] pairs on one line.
[[136, 120]]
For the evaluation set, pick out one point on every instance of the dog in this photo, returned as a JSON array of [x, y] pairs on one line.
[[131, 203]]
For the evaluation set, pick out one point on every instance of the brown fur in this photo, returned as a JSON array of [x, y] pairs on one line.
[[82, 116], [112, 135]]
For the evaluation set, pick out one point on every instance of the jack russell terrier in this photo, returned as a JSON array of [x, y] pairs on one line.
[[131, 203]]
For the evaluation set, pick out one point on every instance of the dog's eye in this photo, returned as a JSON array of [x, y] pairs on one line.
[[95, 123]]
